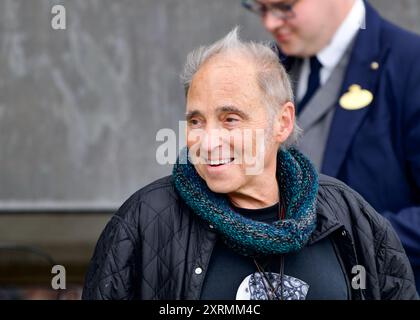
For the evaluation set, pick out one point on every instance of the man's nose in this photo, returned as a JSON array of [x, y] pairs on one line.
[[211, 140], [271, 22]]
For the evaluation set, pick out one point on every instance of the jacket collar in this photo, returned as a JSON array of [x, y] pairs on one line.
[[329, 218], [327, 223]]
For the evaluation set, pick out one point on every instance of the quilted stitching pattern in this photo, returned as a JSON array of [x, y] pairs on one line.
[[149, 248]]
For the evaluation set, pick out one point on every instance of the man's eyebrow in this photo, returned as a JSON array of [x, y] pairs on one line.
[[222, 109], [192, 113], [232, 109]]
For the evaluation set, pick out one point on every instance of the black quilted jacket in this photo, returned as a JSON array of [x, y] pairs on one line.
[[153, 246]]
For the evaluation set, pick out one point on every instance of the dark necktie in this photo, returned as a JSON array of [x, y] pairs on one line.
[[313, 83]]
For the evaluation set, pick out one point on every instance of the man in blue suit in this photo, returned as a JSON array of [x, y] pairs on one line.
[[357, 85]]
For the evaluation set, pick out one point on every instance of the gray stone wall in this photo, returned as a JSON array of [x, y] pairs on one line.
[[80, 108]]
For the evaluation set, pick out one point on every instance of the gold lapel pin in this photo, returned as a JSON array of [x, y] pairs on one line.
[[374, 65], [356, 98]]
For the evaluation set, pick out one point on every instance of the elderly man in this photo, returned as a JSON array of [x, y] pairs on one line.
[[357, 84], [218, 229]]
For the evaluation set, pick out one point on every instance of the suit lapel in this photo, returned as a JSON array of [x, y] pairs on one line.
[[324, 99], [346, 123]]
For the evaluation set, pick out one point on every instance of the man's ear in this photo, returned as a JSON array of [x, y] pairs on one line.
[[284, 122]]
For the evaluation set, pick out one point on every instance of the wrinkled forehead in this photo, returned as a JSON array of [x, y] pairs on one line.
[[236, 62], [225, 77]]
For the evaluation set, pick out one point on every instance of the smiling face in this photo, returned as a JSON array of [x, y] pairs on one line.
[[226, 114], [312, 27]]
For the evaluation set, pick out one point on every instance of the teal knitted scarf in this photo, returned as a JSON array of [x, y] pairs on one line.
[[298, 185]]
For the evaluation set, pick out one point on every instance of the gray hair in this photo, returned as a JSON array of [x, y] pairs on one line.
[[271, 76]]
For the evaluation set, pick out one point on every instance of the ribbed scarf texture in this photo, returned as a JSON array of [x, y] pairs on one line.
[[298, 186]]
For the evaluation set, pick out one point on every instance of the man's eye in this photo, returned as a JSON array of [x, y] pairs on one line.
[[263, 9], [194, 122], [231, 120]]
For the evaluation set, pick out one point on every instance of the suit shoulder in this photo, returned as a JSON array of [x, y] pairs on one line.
[[401, 40]]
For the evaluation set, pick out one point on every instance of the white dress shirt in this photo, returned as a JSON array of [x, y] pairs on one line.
[[333, 52]]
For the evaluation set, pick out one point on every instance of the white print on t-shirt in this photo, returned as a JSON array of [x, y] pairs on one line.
[[256, 287]]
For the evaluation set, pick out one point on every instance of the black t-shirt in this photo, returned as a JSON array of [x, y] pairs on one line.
[[313, 273]]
